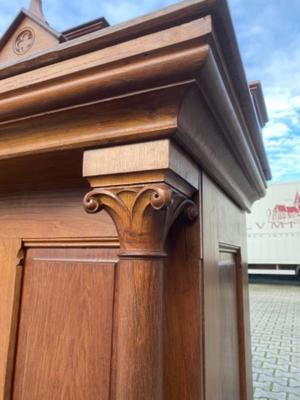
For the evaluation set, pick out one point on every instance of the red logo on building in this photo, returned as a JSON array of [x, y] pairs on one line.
[[286, 212]]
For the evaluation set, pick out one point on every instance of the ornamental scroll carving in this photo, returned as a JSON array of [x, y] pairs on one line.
[[143, 214], [24, 41]]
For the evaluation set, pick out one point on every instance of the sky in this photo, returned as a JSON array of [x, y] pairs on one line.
[[268, 33]]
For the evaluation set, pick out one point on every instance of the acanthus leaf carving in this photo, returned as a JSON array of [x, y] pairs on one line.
[[143, 215]]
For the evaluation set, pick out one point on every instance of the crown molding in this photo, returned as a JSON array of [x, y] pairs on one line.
[[174, 15], [160, 58], [176, 82]]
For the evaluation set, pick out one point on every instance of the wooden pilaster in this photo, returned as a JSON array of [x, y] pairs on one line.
[[143, 214]]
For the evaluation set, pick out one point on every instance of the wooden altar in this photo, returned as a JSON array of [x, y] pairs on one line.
[[129, 156]]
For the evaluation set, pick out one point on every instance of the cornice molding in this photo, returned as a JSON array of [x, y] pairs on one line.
[[173, 82], [259, 102], [174, 15], [228, 117], [160, 58], [202, 137], [131, 118]]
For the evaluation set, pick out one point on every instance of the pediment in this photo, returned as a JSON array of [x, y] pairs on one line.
[[27, 35]]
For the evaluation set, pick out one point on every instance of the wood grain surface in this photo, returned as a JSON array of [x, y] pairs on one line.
[[41, 198], [229, 328], [134, 118], [49, 214], [224, 226], [143, 215], [138, 330], [64, 339], [183, 314], [10, 285], [119, 303]]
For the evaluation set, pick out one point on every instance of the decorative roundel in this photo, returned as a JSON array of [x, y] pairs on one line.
[[24, 41]]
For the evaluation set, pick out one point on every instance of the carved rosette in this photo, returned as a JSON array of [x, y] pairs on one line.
[[143, 215], [24, 41]]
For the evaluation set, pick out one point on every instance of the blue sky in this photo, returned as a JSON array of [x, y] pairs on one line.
[[268, 33]]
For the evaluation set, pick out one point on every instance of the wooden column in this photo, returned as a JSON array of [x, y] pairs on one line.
[[143, 214]]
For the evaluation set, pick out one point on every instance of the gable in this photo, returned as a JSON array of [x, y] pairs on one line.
[[27, 37]]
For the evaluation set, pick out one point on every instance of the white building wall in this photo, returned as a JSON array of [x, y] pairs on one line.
[[273, 227]]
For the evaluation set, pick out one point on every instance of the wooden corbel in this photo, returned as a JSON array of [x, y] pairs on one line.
[[143, 187], [143, 215]]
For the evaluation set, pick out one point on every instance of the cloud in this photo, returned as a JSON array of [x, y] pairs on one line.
[[269, 36], [276, 130], [65, 14], [284, 154]]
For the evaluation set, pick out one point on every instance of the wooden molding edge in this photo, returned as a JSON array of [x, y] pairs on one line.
[[153, 161], [11, 274], [138, 90], [159, 58], [173, 15], [259, 102], [140, 116], [201, 135], [104, 242], [213, 88]]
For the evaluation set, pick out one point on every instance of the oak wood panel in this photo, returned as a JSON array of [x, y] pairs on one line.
[[51, 214], [64, 339], [244, 322], [223, 222], [138, 330], [41, 197], [237, 232], [10, 283], [229, 327], [183, 314], [53, 171]]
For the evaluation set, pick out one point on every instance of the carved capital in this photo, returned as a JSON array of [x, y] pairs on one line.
[[143, 214]]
